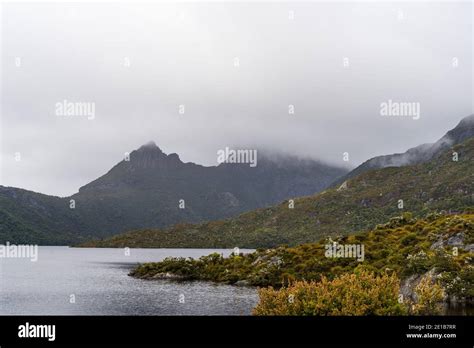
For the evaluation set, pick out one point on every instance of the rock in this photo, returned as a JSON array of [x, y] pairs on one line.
[[268, 261], [469, 247], [407, 287], [275, 261], [437, 245], [167, 275], [456, 240], [242, 283]]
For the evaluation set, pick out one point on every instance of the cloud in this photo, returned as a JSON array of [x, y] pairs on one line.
[[139, 62]]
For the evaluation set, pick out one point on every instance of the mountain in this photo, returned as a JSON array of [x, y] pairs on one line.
[[30, 217], [420, 154], [442, 183], [154, 189]]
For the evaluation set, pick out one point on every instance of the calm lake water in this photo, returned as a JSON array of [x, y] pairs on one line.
[[99, 282]]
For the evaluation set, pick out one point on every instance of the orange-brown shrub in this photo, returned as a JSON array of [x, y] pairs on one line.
[[360, 293]]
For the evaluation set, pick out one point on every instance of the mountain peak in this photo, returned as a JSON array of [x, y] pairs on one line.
[[463, 131], [467, 120], [150, 149], [419, 154], [149, 145], [149, 155]]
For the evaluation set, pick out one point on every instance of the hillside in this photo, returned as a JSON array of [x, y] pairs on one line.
[[146, 192], [420, 154], [30, 217], [408, 247], [361, 203]]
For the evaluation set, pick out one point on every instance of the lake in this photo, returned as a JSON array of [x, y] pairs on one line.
[[98, 282]]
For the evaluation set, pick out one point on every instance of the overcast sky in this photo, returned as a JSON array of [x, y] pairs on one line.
[[185, 54]]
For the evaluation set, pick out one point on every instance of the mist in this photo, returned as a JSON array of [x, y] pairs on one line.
[[305, 79]]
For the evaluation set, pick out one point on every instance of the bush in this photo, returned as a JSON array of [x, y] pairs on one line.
[[409, 239], [430, 295], [418, 263], [360, 293]]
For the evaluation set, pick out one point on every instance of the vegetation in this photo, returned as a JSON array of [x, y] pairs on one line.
[[411, 248], [360, 293], [28, 217], [429, 296], [369, 199]]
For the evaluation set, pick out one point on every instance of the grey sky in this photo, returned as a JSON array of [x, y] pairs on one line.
[[183, 53]]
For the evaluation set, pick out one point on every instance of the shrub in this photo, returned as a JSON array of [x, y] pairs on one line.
[[360, 293], [429, 294], [409, 239], [417, 264]]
